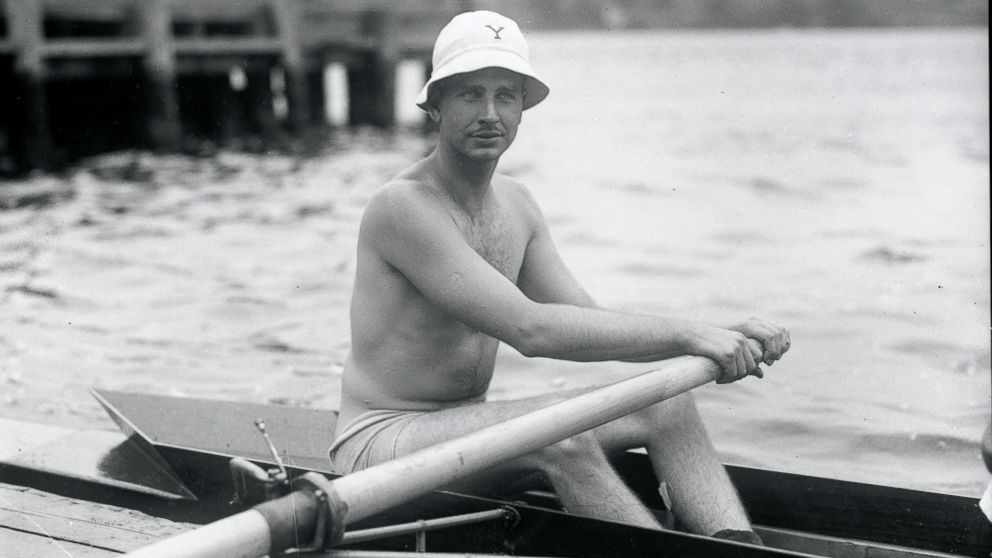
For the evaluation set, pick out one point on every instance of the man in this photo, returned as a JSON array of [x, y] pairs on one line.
[[454, 258]]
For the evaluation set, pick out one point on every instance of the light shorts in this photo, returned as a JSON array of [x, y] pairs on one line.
[[369, 440]]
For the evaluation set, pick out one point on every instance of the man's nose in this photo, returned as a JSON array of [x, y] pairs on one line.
[[488, 111]]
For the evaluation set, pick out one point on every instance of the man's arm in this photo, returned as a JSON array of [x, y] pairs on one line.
[[408, 227], [545, 277]]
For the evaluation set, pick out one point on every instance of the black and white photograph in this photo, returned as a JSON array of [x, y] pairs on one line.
[[385, 279]]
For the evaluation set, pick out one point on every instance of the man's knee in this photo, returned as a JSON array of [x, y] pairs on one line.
[[580, 451], [647, 423], [679, 407]]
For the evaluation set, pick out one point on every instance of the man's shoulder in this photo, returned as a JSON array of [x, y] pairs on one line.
[[412, 182], [518, 194], [398, 203], [403, 192]]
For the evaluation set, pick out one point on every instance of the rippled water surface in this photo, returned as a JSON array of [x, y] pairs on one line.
[[835, 182]]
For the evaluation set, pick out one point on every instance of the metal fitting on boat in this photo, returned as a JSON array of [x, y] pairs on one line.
[[331, 511]]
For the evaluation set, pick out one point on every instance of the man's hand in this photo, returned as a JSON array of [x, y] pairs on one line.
[[774, 339], [729, 348]]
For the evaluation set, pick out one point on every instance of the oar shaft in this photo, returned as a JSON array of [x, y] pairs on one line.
[[244, 535], [378, 488], [279, 524]]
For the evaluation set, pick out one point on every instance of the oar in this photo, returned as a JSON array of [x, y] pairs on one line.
[[290, 521]]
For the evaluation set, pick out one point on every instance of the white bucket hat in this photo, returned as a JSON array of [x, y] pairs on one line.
[[482, 39]]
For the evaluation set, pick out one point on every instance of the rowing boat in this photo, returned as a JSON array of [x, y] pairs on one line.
[[173, 458]]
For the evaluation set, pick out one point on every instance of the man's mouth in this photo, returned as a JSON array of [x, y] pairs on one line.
[[487, 135]]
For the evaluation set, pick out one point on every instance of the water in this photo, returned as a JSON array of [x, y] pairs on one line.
[[835, 182]]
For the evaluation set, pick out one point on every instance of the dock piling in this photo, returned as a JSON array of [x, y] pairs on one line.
[[372, 82], [258, 94], [164, 125], [30, 117], [287, 18]]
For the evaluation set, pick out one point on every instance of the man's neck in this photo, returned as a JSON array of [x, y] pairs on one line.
[[467, 181]]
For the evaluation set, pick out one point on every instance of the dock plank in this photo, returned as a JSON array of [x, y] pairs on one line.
[[17, 543], [56, 521]]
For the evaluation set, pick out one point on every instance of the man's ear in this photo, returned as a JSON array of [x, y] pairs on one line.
[[434, 113]]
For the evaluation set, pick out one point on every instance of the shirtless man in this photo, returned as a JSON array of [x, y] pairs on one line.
[[454, 258]]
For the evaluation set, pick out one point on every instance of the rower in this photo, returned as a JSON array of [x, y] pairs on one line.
[[455, 258]]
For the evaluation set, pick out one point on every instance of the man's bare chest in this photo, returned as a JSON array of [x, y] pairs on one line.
[[498, 239]]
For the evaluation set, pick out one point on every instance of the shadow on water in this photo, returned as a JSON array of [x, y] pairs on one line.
[[892, 256], [945, 356]]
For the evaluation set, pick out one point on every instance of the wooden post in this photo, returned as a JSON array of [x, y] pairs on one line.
[[288, 17], [24, 21], [372, 85], [385, 60], [317, 95], [228, 107], [221, 109], [162, 102], [258, 97]]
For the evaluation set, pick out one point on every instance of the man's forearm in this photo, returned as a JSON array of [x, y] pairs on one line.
[[592, 334]]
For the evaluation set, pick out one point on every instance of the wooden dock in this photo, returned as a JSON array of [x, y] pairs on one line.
[[42, 525], [109, 73]]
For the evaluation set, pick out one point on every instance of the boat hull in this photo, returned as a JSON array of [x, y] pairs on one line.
[[195, 439]]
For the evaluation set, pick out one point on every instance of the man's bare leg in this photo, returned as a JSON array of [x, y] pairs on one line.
[[703, 497], [577, 468], [587, 484]]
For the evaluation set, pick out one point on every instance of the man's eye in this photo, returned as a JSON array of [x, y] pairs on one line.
[[506, 96], [469, 95]]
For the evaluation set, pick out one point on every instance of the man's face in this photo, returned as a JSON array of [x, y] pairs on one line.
[[479, 112]]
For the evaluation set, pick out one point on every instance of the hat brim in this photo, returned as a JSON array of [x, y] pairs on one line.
[[488, 58]]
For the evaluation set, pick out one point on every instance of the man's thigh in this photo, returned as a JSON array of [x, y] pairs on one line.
[[447, 424], [440, 426], [435, 427]]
